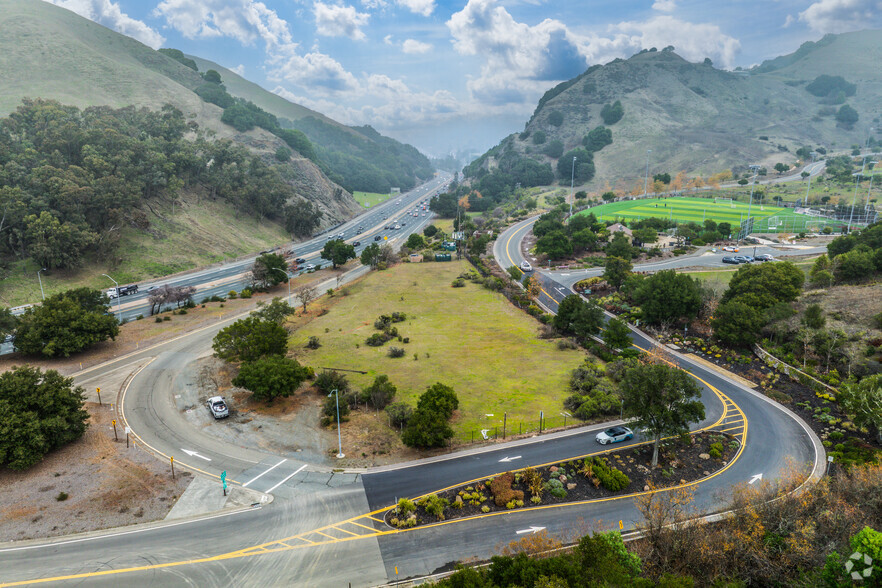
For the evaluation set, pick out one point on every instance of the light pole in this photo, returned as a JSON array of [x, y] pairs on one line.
[[867, 204], [43, 294], [340, 454], [118, 307], [287, 276], [646, 176], [755, 169], [572, 186], [857, 181]]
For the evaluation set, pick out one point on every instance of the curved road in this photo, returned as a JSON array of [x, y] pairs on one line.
[[323, 528]]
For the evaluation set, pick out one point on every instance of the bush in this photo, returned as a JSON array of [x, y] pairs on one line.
[[405, 507], [611, 478], [458, 283], [434, 505], [313, 342], [396, 352], [399, 414], [62, 496], [716, 450], [376, 340], [502, 491]]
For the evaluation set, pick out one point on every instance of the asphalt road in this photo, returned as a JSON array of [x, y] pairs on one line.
[[320, 533]]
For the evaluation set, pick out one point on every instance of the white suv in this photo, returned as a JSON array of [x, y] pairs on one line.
[[218, 407]]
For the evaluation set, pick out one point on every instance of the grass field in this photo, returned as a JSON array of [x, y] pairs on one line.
[[766, 218], [719, 279], [469, 338], [370, 199]]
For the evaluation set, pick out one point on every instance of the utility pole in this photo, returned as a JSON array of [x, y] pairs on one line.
[[572, 184], [336, 393], [646, 177], [118, 301], [857, 181], [755, 169], [43, 294]]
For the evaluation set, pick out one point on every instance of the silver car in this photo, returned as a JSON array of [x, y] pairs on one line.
[[218, 407]]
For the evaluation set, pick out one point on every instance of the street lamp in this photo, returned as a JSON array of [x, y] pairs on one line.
[[755, 169], [572, 186], [867, 204], [118, 307], [43, 294], [288, 280], [857, 181], [646, 177], [813, 154], [340, 454]]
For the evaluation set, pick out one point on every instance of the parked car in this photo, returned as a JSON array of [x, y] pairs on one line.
[[742, 259], [614, 435], [749, 258], [731, 260], [218, 407], [764, 257], [525, 266], [730, 248]]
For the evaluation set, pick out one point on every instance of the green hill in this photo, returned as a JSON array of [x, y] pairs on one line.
[[693, 117]]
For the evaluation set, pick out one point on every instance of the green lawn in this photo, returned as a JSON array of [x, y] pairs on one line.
[[469, 338], [719, 279], [370, 199]]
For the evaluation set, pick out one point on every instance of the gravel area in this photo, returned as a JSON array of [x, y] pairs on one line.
[[94, 483]]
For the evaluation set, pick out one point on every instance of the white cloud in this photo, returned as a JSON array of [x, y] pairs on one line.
[[337, 20], [520, 60], [239, 69], [242, 20], [423, 7], [664, 5], [388, 39], [320, 73], [110, 15], [412, 46], [788, 21], [840, 16]]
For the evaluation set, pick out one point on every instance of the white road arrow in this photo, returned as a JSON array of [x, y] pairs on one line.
[[755, 478], [194, 454], [531, 530], [508, 459]]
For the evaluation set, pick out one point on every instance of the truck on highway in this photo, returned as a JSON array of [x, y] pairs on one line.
[[122, 291]]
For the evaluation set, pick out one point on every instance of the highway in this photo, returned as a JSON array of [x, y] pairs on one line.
[[324, 528]]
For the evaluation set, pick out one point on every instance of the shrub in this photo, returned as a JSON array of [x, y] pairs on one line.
[[405, 507], [502, 491], [396, 352], [434, 505], [485, 509], [611, 478], [458, 283], [716, 450], [313, 342], [555, 488], [158, 319], [376, 340], [246, 293], [62, 496]]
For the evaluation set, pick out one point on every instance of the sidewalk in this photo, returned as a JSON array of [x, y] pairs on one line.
[[205, 495]]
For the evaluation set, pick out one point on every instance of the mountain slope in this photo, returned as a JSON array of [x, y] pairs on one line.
[[696, 118]]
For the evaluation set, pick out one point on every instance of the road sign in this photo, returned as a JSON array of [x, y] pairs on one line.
[[224, 478]]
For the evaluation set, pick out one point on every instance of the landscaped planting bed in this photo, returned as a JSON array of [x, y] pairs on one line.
[[615, 473]]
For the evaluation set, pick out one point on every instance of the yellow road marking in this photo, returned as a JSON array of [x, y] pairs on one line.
[[364, 526], [350, 532]]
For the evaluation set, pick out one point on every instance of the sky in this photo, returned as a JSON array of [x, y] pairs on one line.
[[459, 75]]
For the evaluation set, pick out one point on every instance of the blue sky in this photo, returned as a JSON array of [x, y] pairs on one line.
[[447, 75]]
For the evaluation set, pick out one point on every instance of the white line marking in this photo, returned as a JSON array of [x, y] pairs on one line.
[[286, 479], [255, 478], [111, 535]]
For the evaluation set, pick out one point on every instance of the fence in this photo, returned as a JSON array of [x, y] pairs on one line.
[[795, 374], [502, 428]]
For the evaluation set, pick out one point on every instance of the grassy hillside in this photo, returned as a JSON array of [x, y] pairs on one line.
[[699, 119]]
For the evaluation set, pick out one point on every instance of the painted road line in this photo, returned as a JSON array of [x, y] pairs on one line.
[[285, 480], [258, 476]]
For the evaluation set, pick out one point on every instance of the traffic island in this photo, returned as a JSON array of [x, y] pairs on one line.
[[614, 473]]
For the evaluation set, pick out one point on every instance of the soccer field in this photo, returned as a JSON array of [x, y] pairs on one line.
[[766, 218]]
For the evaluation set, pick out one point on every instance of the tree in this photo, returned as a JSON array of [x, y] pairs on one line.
[[555, 117], [66, 323], [270, 377], [41, 411], [619, 246], [370, 255], [846, 116], [736, 323], [428, 427], [764, 285], [212, 76], [781, 167], [863, 399], [276, 311], [577, 317], [338, 252], [302, 218], [616, 271], [430, 231], [268, 270], [8, 322], [612, 113], [380, 393], [617, 335], [444, 205], [597, 139], [584, 166], [249, 339], [646, 235], [663, 400], [855, 265], [584, 240], [814, 317], [168, 294], [668, 295], [415, 241], [305, 294], [556, 245], [608, 196]]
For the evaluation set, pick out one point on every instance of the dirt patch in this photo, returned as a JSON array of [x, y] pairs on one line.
[[94, 483], [679, 463]]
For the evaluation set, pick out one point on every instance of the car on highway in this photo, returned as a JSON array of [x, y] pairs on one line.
[[357, 244], [218, 407], [731, 260], [525, 266], [359, 230], [378, 237], [299, 260], [730, 248], [614, 435], [309, 267]]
